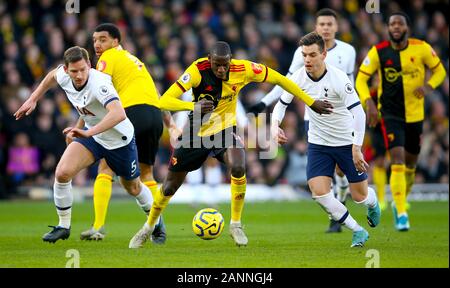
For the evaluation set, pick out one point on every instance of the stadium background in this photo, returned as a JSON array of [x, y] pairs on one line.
[[167, 36]]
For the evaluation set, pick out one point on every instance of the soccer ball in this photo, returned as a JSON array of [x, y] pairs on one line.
[[208, 224]]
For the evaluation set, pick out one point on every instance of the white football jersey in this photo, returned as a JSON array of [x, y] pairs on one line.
[[90, 103], [333, 129], [342, 55]]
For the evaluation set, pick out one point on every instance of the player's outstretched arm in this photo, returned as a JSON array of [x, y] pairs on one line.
[[29, 105], [170, 100], [364, 96], [318, 106]]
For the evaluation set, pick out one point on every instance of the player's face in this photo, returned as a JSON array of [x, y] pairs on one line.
[[398, 28], [220, 65], [326, 26], [78, 72], [313, 58], [103, 41]]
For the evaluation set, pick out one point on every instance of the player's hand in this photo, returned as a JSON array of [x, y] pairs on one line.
[[278, 135], [358, 159], [26, 108], [76, 133], [322, 107], [372, 113], [69, 139], [174, 134], [205, 106], [257, 108], [421, 91]]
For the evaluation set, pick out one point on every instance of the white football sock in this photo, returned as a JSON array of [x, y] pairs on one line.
[[341, 187], [337, 211], [371, 200], [63, 199], [144, 199]]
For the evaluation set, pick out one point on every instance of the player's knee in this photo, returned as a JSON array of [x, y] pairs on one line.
[[133, 188], [168, 189], [63, 175], [238, 171]]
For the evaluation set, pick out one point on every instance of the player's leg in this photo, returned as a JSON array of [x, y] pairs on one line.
[[148, 125], [171, 184], [340, 191], [380, 144], [75, 158], [235, 161], [319, 171], [182, 161], [102, 195], [395, 131], [412, 150]]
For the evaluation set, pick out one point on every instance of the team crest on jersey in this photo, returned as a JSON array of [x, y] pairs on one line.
[[104, 90], [101, 66], [256, 68], [185, 78], [348, 88]]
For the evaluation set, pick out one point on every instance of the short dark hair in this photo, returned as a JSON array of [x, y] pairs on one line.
[[75, 54], [112, 29], [220, 48], [403, 14], [313, 38], [327, 12]]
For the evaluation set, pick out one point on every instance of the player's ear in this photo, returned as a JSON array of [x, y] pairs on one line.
[[65, 68], [89, 64], [209, 57]]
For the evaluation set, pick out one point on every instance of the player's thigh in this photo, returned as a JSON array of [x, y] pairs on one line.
[[103, 168], [75, 158], [188, 159], [124, 161], [320, 162], [148, 128], [132, 186], [344, 159], [413, 136], [395, 132], [320, 185]]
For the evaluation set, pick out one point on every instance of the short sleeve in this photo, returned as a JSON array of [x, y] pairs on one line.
[[430, 57], [347, 92], [255, 72], [371, 63], [106, 63], [105, 92], [190, 78]]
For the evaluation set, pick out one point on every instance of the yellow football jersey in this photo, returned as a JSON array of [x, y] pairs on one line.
[[129, 76], [400, 72], [223, 93]]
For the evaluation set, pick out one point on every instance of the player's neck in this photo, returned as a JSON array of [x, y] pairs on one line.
[[399, 45], [329, 44]]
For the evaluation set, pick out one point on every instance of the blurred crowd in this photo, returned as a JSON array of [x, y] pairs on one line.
[[167, 36]]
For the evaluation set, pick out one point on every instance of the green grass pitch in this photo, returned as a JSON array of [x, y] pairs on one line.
[[281, 234]]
